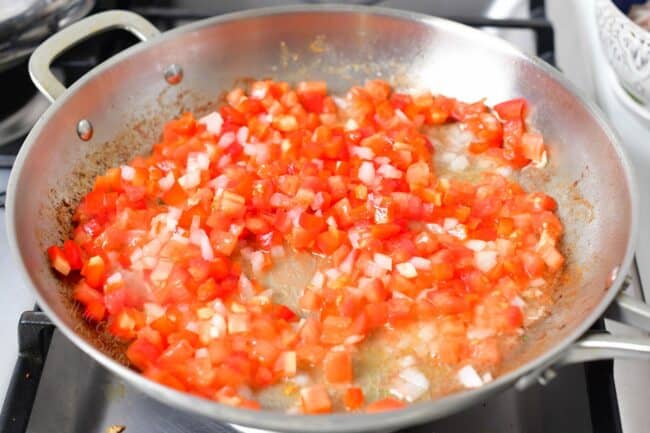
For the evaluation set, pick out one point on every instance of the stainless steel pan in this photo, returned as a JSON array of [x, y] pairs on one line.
[[115, 111]]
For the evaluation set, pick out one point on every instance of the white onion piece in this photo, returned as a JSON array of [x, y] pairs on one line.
[[449, 223], [199, 238], [217, 326], [332, 274], [407, 361], [383, 261], [242, 135], [389, 172], [115, 278], [127, 172], [503, 171], [317, 281], [226, 139], [427, 332], [367, 173], [351, 125], [435, 228], [362, 152], [407, 270], [212, 122], [518, 302], [153, 311], [373, 270], [245, 287], [448, 157], [346, 265], [460, 163], [485, 260], [192, 327], [277, 251], [318, 201], [162, 271], [197, 161], [469, 377], [201, 353], [257, 261], [167, 181], [401, 116], [479, 333], [420, 263], [410, 385], [190, 179], [475, 244], [340, 102]]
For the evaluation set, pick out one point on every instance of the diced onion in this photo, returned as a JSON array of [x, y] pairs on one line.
[[383, 261], [351, 125], [518, 302], [469, 377], [367, 173], [475, 244], [410, 385], [167, 181], [226, 139], [407, 361], [245, 287], [153, 311], [202, 353], [460, 163], [190, 179], [317, 280], [362, 152], [242, 135], [479, 333], [162, 271], [217, 326], [277, 251], [127, 172], [485, 260], [199, 238], [420, 263], [212, 122], [407, 270], [389, 172], [257, 261]]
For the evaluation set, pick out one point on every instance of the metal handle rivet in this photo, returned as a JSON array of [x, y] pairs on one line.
[[85, 129], [173, 74]]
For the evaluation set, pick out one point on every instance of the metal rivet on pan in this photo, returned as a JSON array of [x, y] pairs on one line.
[[85, 129], [173, 74]]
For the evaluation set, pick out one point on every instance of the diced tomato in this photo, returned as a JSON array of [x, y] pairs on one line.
[[94, 271], [337, 197], [142, 353], [58, 260], [315, 399], [72, 254], [514, 109], [338, 366], [353, 398], [384, 405]]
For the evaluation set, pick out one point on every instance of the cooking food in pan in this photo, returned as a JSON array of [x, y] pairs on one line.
[[315, 253]]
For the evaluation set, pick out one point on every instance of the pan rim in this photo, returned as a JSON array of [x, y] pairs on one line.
[[412, 414]]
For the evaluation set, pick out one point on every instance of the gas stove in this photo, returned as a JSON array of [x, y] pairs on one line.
[[55, 387]]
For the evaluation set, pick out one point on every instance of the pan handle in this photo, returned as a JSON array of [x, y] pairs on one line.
[[601, 345], [41, 59]]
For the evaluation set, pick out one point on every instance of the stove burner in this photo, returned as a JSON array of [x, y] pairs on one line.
[[22, 106]]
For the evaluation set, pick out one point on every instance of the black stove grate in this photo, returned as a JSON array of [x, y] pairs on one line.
[[35, 330]]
